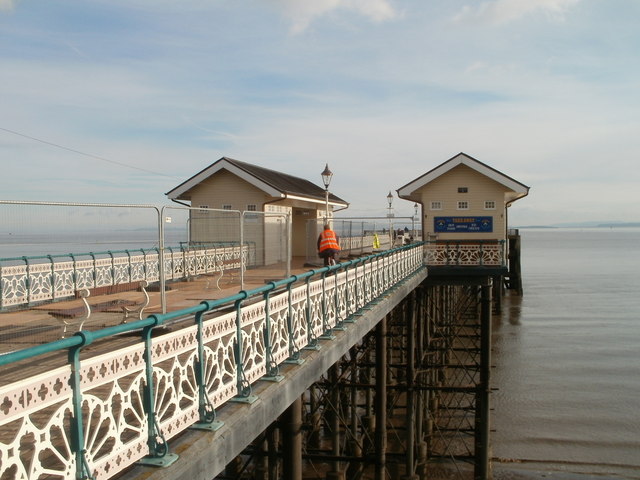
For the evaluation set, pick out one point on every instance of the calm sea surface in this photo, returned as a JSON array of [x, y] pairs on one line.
[[567, 357], [17, 245]]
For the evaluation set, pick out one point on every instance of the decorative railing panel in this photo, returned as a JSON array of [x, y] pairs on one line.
[[298, 304], [220, 368], [58, 277], [95, 417], [454, 253]]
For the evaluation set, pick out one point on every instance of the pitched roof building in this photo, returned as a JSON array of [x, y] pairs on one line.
[[464, 198], [275, 185], [237, 186]]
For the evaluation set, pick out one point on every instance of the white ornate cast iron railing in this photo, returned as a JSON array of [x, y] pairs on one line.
[[94, 417], [54, 277], [465, 253]]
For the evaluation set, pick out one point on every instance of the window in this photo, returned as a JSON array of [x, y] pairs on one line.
[[226, 206], [463, 189], [463, 205], [489, 205], [252, 208], [203, 208], [436, 205]]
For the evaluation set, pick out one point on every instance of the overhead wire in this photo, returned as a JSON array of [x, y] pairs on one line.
[[90, 155]]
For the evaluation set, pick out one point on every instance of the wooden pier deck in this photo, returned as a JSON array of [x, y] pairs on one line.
[[35, 326]]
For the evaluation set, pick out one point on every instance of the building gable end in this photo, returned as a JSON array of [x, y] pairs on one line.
[[463, 159], [222, 164]]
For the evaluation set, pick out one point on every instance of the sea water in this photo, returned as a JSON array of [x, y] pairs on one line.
[[567, 358]]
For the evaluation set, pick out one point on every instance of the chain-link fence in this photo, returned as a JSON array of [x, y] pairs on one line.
[[51, 253], [69, 265], [234, 242], [362, 236]]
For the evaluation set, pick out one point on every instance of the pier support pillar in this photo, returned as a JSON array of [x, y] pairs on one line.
[[292, 441], [272, 446], [381, 399], [410, 419], [316, 419], [334, 378], [481, 470]]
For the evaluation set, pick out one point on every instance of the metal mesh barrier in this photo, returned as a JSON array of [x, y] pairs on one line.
[[50, 252]]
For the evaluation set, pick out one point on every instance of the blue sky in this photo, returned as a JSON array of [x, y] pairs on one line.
[[114, 101]]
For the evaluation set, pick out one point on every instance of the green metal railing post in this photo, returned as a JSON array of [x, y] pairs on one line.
[[336, 308], [27, 280], [205, 409], [271, 367], [326, 334], [294, 351], [77, 429], [158, 448], [242, 385], [347, 310], [52, 278], [312, 340]]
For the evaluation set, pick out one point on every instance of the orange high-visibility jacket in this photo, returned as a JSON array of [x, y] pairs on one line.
[[328, 240]]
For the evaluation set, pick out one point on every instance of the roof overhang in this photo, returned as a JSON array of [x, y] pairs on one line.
[[315, 200]]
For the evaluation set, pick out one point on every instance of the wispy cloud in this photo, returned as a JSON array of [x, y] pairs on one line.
[[6, 5], [302, 14], [382, 89], [504, 11]]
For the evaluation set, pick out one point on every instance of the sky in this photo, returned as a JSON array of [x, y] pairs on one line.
[[113, 101]]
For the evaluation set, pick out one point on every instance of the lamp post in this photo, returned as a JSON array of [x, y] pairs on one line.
[[326, 179], [390, 216]]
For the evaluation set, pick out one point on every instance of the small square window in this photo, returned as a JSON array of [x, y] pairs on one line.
[[463, 189], [436, 205], [226, 206], [489, 205], [463, 205], [252, 208]]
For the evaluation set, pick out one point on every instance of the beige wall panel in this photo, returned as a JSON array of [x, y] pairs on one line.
[[480, 189], [224, 188]]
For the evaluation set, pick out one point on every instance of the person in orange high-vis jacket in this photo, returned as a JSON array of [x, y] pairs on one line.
[[328, 246]]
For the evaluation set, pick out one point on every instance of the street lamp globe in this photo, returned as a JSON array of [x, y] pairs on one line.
[[326, 180], [326, 176]]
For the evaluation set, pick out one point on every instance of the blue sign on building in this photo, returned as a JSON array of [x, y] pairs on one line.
[[463, 224]]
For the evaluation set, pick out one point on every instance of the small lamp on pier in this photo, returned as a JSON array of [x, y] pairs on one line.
[[326, 180], [390, 216]]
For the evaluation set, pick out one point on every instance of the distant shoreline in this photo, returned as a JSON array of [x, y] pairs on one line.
[[585, 225]]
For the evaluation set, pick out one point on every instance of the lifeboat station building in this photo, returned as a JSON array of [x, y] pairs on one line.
[[464, 214], [269, 202]]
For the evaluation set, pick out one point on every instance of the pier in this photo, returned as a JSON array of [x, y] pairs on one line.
[[221, 349], [372, 366]]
